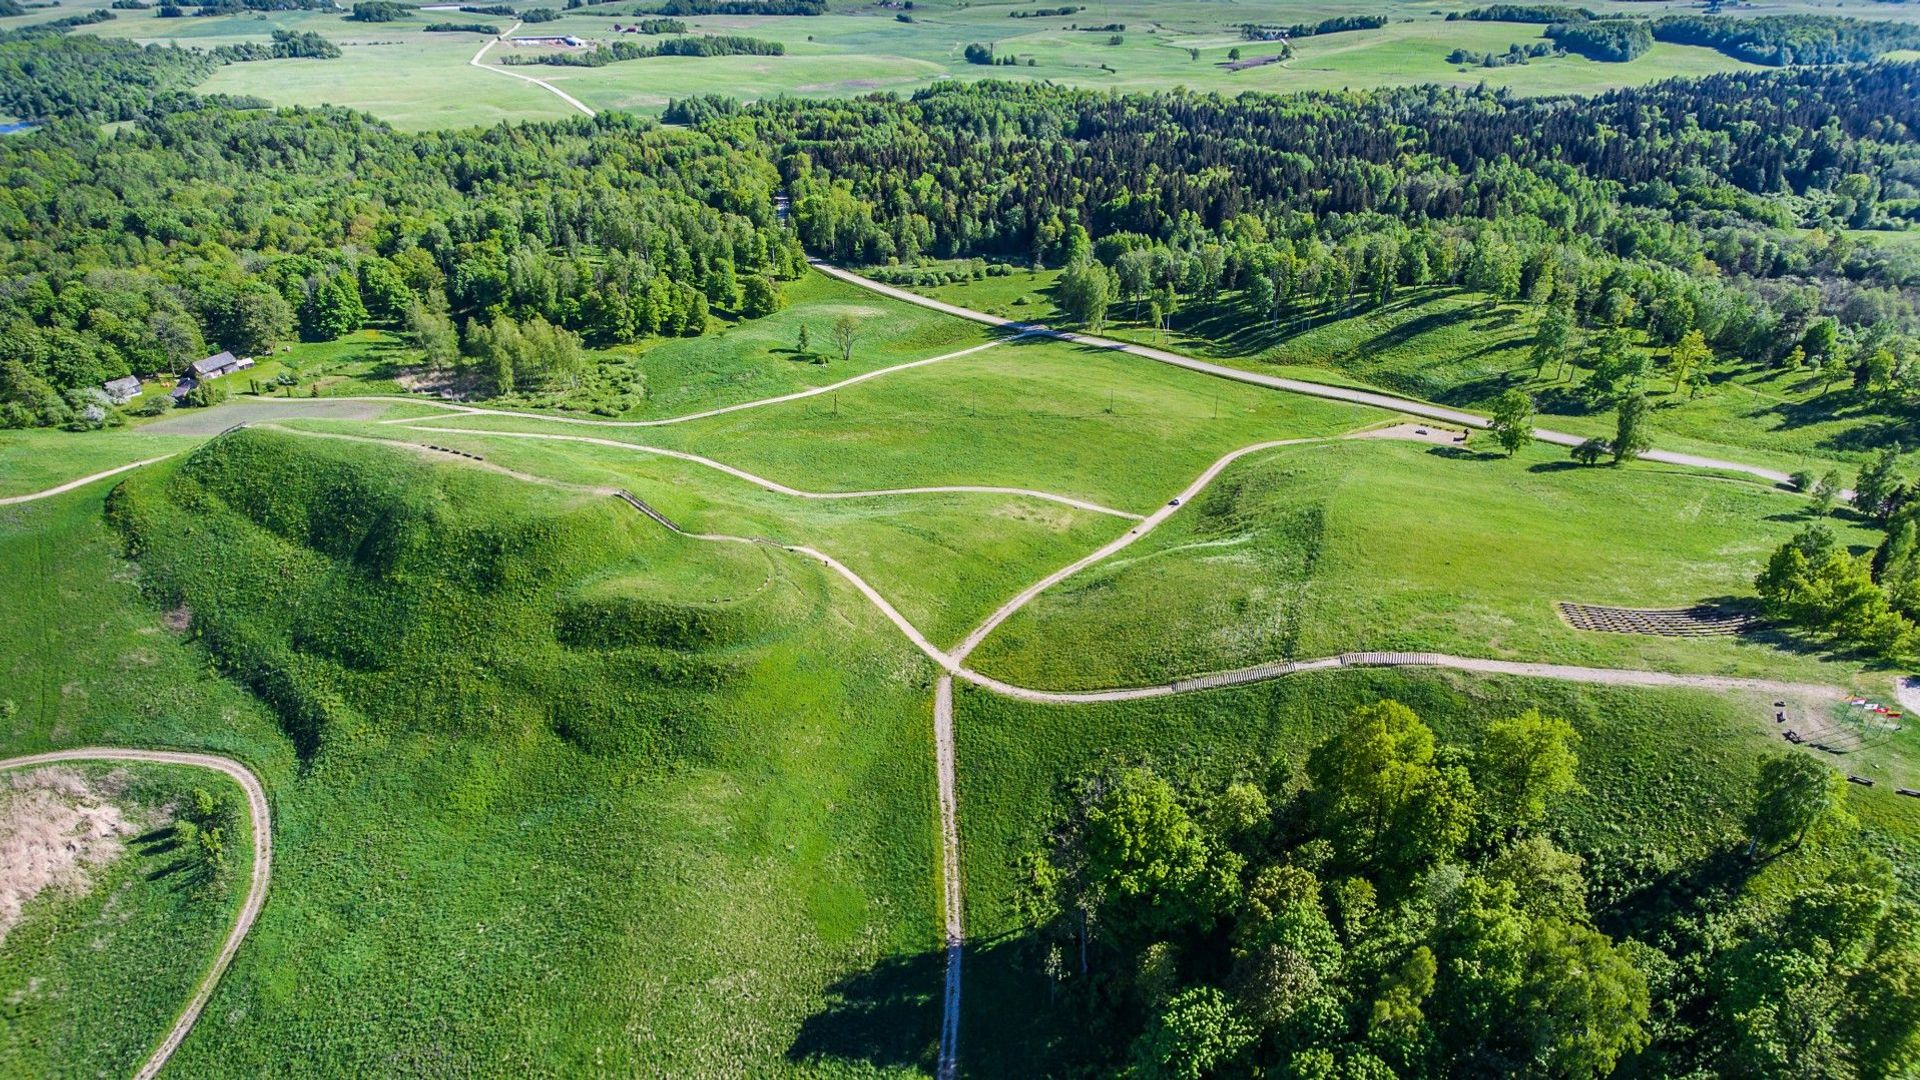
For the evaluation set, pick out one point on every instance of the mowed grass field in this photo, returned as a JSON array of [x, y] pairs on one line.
[[35, 460], [92, 979], [1126, 432], [752, 359], [417, 80], [1373, 544]]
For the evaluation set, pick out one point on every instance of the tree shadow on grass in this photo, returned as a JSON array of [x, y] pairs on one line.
[[887, 1016], [1557, 466], [1012, 1023], [1652, 899]]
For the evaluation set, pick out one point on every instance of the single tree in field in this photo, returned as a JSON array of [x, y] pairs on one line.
[[1825, 491], [1791, 794], [1832, 370], [1512, 421], [1689, 355], [759, 297], [1631, 436], [1086, 288], [805, 345], [428, 329], [1524, 764], [846, 331], [1550, 340], [1877, 492], [1589, 452]]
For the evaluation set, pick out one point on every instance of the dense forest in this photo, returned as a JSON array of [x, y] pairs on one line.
[[1614, 41], [46, 72], [1714, 206], [1397, 907], [1779, 40], [207, 229], [1692, 221]]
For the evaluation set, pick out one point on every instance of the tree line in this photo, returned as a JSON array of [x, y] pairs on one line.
[[613, 52]]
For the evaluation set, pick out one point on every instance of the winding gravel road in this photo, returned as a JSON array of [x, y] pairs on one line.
[[758, 403], [262, 820], [952, 663], [782, 489]]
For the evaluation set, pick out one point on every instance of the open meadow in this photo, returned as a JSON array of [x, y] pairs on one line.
[[1456, 348]]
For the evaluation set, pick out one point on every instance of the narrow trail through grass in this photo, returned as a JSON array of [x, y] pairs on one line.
[[70, 485]]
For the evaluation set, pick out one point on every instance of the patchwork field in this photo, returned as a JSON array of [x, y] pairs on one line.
[[416, 79]]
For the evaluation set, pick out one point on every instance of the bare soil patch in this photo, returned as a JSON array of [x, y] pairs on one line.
[[56, 826]]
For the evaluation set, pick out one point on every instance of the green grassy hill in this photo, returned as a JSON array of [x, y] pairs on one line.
[[1377, 544], [560, 789], [1455, 348]]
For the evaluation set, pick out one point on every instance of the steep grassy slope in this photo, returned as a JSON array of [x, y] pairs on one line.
[[572, 795], [1452, 347], [944, 559], [1376, 544]]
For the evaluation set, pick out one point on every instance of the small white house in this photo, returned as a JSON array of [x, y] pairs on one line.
[[121, 391]]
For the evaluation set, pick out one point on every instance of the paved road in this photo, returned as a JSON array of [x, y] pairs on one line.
[[82, 482], [1410, 406], [261, 816], [479, 62]]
